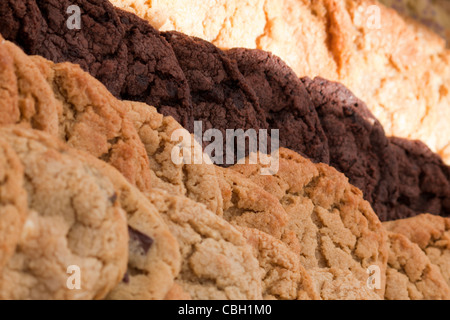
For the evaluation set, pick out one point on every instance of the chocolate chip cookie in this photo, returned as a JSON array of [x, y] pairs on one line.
[[75, 225]]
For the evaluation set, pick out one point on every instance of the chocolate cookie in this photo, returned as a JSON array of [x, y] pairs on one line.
[[122, 51], [222, 99], [330, 224], [74, 224], [217, 261], [285, 102], [13, 201], [424, 180]]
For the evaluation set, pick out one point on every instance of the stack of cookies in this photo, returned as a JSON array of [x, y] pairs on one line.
[[93, 205]]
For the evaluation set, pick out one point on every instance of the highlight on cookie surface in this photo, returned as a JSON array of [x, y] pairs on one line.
[[224, 150]]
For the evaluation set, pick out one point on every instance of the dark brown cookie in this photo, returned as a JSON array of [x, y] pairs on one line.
[[285, 101], [222, 98], [424, 184]]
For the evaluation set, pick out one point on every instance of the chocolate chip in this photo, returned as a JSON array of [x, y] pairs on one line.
[[126, 278], [113, 198], [144, 241]]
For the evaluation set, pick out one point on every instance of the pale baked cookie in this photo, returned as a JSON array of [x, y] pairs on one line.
[[432, 234], [397, 66], [410, 274], [195, 176], [337, 284], [74, 225], [247, 204], [283, 277], [217, 261], [330, 225], [70, 104], [13, 201]]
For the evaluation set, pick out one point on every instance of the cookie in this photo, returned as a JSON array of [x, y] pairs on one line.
[[74, 225], [247, 204], [284, 278], [424, 180], [221, 96], [81, 112], [330, 224], [194, 177], [154, 254], [124, 52], [285, 102], [397, 66], [431, 234], [411, 275], [13, 201], [217, 263], [337, 284]]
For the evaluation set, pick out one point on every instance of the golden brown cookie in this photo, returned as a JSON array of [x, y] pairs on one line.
[[74, 225], [160, 136], [411, 275], [217, 262], [13, 201], [283, 277], [432, 234], [63, 100], [154, 255], [330, 224], [247, 204]]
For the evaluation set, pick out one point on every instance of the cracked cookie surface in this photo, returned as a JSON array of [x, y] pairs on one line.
[[73, 220], [432, 234], [410, 274], [217, 262], [195, 179], [330, 224]]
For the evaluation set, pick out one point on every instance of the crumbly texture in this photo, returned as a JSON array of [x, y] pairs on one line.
[[221, 97], [410, 274], [396, 65], [217, 263], [330, 224], [13, 201], [73, 220], [195, 179], [125, 53], [76, 108], [247, 204], [285, 102], [338, 284], [153, 251], [283, 277], [431, 234]]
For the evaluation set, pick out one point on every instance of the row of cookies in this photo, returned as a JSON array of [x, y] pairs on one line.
[[193, 80], [194, 231], [397, 65]]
